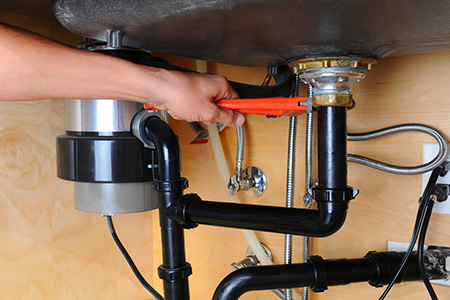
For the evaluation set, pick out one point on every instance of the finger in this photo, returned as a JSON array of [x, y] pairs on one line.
[[173, 115], [230, 118], [233, 94], [227, 91]]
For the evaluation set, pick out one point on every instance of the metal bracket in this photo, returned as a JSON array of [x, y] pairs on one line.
[[308, 103], [250, 258], [114, 38]]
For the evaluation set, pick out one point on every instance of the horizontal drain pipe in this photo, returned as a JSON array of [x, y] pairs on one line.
[[191, 210], [377, 268]]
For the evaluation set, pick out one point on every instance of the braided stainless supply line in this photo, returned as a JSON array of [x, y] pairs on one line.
[[402, 170], [290, 185]]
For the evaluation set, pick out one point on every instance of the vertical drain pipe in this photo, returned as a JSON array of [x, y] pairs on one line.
[[332, 149], [170, 186], [309, 151], [290, 185]]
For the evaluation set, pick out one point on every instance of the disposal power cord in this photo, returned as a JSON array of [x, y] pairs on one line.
[[130, 261], [421, 245], [420, 227]]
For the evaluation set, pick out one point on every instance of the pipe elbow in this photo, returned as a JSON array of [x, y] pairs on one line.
[[263, 278], [331, 217], [234, 285], [332, 205]]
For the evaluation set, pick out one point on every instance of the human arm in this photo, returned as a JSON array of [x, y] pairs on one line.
[[32, 68]]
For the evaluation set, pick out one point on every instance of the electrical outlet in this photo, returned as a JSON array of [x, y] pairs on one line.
[[429, 152]]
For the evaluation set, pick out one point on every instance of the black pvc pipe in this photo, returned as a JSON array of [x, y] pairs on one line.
[[332, 195], [332, 147], [169, 184], [376, 267], [268, 277], [167, 148], [325, 221]]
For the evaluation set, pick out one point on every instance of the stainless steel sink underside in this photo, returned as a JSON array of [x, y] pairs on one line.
[[260, 32]]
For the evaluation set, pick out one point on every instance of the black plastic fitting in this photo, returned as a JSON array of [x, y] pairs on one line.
[[167, 148], [441, 191], [332, 194], [332, 156], [332, 147], [175, 274], [178, 211], [327, 219], [169, 185], [377, 268], [387, 263], [264, 278]]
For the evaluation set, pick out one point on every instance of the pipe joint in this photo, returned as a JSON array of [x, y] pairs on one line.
[[334, 195], [385, 264], [175, 274], [320, 273], [178, 185], [377, 268], [179, 211]]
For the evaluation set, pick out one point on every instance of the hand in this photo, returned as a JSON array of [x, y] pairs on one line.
[[35, 68], [192, 97]]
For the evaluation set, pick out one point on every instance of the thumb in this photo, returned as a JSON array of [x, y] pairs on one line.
[[230, 118]]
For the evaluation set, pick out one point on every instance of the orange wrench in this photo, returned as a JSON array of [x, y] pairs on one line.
[[274, 106]]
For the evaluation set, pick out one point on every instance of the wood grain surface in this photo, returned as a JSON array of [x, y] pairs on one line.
[[51, 251]]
